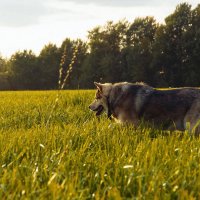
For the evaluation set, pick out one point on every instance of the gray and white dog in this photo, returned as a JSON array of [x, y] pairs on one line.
[[127, 102]]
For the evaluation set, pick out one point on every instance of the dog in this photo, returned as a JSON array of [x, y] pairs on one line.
[[171, 109]]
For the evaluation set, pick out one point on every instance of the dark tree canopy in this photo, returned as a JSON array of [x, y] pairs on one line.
[[162, 55]]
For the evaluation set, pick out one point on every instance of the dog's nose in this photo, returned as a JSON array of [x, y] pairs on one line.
[[89, 107]]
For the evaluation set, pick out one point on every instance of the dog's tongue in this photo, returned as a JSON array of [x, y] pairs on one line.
[[99, 110]]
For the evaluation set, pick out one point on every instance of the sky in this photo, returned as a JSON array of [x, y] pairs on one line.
[[31, 24]]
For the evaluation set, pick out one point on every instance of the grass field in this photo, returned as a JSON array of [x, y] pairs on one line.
[[68, 154]]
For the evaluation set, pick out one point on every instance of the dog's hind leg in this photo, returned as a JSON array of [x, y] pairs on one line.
[[192, 119]]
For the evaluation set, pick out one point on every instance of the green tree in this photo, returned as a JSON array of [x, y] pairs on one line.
[[24, 70], [159, 54], [48, 61], [140, 38], [105, 60], [170, 49], [191, 41], [70, 46], [2, 64], [81, 55], [4, 75]]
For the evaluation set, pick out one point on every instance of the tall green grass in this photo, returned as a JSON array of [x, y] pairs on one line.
[[76, 156]]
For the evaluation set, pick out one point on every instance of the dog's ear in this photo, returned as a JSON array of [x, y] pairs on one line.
[[99, 86]]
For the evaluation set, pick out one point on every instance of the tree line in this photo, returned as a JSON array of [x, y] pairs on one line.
[[162, 55]]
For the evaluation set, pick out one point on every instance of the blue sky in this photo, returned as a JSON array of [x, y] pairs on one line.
[[30, 24]]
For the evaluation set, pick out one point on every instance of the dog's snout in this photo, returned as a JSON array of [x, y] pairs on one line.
[[89, 107]]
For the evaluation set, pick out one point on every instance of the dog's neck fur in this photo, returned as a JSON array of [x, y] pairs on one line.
[[115, 100], [106, 92]]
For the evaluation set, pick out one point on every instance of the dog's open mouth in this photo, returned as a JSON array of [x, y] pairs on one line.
[[99, 110]]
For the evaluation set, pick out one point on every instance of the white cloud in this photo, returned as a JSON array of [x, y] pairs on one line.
[[30, 24], [132, 3], [15, 13], [18, 13], [114, 3]]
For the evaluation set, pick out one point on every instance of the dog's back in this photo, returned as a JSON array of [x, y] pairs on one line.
[[128, 102], [170, 108]]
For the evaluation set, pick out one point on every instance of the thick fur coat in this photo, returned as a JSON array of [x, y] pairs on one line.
[[132, 103]]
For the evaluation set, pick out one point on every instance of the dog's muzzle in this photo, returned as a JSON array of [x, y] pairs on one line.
[[98, 110]]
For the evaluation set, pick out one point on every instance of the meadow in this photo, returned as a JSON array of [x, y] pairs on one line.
[[58, 149]]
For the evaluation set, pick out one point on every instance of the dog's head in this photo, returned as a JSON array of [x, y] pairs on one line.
[[100, 103]]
